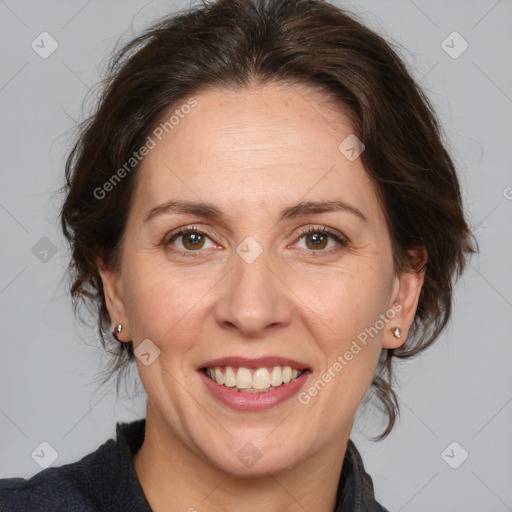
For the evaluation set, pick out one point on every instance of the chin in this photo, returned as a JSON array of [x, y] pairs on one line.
[[255, 459], [255, 467]]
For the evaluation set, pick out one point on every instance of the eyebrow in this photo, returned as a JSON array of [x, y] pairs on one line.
[[210, 211]]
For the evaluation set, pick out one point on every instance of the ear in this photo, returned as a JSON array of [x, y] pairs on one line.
[[114, 298], [406, 294]]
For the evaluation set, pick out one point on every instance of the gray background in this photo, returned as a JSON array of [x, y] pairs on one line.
[[459, 390]]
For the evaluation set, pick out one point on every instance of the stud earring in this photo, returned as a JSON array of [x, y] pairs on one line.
[[397, 332], [117, 329]]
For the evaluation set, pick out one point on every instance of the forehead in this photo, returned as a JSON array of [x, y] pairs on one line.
[[256, 147]]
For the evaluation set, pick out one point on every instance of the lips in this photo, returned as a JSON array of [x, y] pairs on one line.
[[253, 384], [253, 375]]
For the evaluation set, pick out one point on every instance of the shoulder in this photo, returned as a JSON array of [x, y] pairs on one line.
[[68, 487], [103, 480], [48, 490]]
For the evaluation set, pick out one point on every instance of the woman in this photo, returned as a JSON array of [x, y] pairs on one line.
[[264, 216]]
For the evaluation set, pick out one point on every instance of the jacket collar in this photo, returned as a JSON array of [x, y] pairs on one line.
[[355, 487]]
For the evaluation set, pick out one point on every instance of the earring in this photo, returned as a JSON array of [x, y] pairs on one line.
[[117, 329], [397, 332]]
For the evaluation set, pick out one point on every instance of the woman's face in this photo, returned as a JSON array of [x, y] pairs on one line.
[[252, 171]]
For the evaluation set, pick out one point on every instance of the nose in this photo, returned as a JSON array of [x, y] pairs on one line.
[[254, 299]]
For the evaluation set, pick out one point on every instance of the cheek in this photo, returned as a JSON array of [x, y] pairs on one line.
[[351, 305], [161, 304], [349, 302]]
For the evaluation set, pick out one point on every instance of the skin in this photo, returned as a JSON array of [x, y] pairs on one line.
[[253, 152]]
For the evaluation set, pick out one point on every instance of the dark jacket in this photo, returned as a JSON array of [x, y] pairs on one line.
[[105, 481]]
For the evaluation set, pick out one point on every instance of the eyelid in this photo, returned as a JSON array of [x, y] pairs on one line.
[[309, 228], [320, 228], [191, 228]]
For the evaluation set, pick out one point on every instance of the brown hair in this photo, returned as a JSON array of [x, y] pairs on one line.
[[235, 43]]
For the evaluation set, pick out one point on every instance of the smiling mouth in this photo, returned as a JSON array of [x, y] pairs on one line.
[[253, 380]]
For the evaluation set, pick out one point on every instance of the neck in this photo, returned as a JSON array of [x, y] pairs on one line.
[[174, 477]]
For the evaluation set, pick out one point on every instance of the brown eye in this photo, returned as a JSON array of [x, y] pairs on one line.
[[317, 241], [320, 239], [192, 241], [189, 241]]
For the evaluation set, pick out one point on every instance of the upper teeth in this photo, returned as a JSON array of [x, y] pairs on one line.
[[245, 378]]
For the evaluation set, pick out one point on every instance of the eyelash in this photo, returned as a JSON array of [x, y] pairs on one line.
[[340, 240]]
